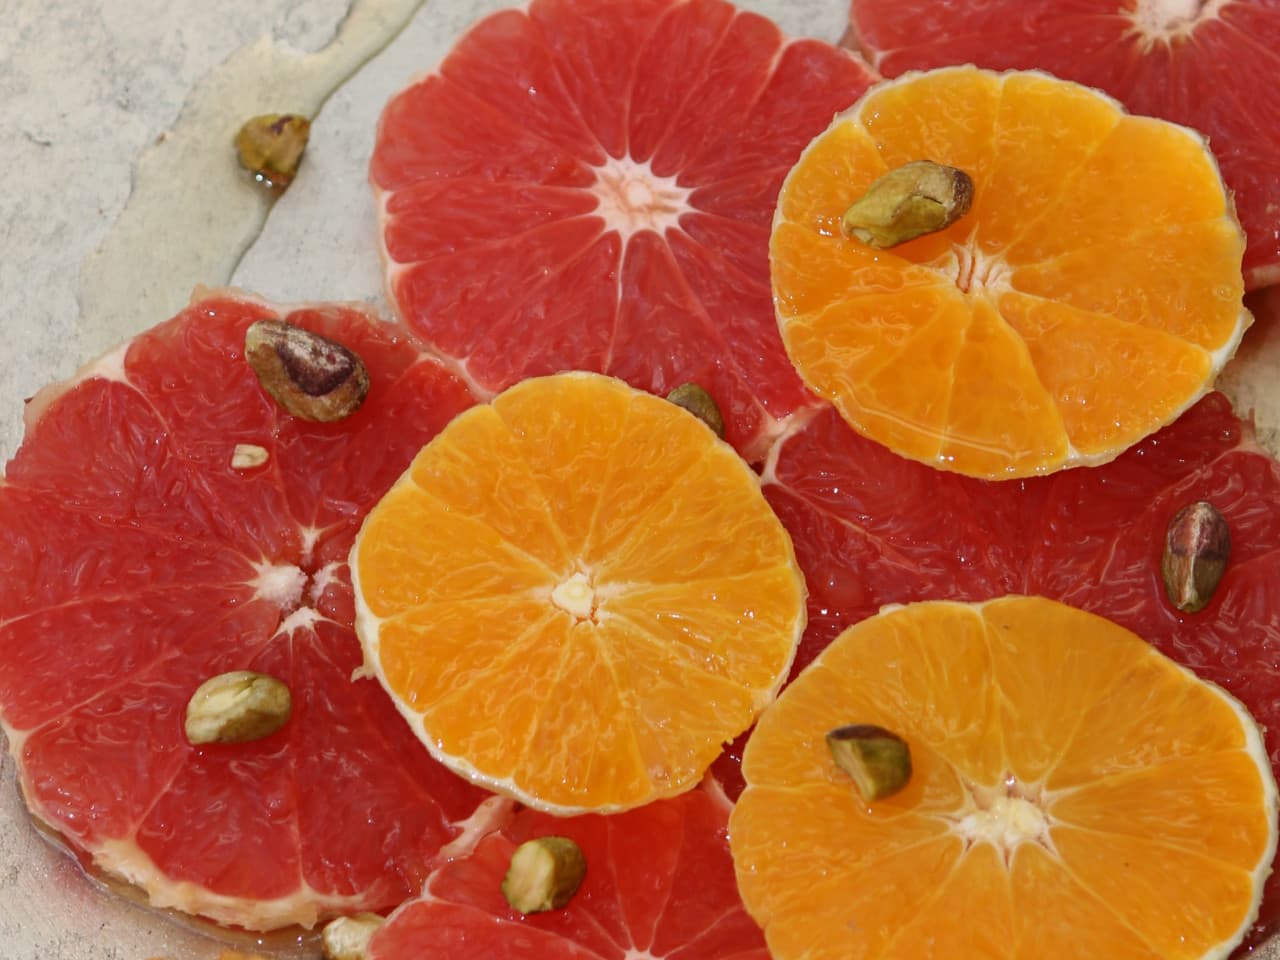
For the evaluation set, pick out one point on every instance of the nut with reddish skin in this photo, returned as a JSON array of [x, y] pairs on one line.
[[1196, 549], [271, 146], [311, 376]]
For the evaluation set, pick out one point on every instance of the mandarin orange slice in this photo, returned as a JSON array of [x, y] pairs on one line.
[[576, 594], [1091, 294], [1074, 794]]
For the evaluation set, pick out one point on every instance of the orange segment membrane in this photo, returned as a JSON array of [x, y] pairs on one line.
[[1181, 280], [1043, 131], [1119, 224], [1073, 793], [1145, 173], [578, 594], [838, 169], [1000, 417], [1093, 366]]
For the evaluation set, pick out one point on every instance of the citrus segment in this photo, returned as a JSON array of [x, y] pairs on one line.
[[1144, 173], [140, 559], [829, 875], [658, 618], [866, 532], [659, 883], [1076, 354], [1174, 273], [1043, 885], [588, 186], [936, 347], [1197, 64], [1038, 117]]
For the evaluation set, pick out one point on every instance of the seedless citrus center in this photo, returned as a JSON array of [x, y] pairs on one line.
[[1169, 21], [576, 596], [1074, 794], [634, 198], [1005, 817]]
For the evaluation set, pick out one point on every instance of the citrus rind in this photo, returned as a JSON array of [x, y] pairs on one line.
[[622, 652], [883, 335]]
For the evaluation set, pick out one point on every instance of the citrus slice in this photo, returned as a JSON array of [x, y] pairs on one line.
[[1091, 295], [163, 523], [1199, 63], [576, 594], [1073, 794], [585, 185], [659, 883], [868, 531]]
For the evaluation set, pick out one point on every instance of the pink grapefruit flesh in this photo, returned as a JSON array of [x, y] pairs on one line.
[[872, 529], [590, 185], [136, 561], [1206, 64], [659, 884]]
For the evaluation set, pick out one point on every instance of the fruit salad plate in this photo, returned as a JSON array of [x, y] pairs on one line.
[[382, 216]]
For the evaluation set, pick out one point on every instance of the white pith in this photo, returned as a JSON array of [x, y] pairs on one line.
[[1169, 21], [1004, 817], [573, 588], [1012, 813], [985, 275], [575, 596], [279, 583], [633, 198]]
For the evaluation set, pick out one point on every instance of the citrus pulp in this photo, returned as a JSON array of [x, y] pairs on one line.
[[1091, 295], [1199, 63], [576, 593], [871, 529], [139, 557], [1073, 793], [588, 185], [659, 883]]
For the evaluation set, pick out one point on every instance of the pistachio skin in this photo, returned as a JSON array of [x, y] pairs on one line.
[[878, 760], [310, 376], [1196, 551]]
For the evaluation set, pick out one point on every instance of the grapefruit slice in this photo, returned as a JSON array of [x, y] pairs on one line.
[[1090, 295], [1071, 793], [1197, 63], [871, 529], [585, 185], [659, 883], [576, 594], [138, 559]]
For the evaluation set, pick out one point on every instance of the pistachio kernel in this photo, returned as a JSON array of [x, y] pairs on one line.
[[909, 201], [270, 147], [1196, 549], [697, 401], [878, 760], [347, 938], [246, 456], [311, 376], [237, 707], [544, 874]]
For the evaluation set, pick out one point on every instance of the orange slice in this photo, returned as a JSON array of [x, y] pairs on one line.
[[1092, 293], [1074, 794], [576, 594]]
